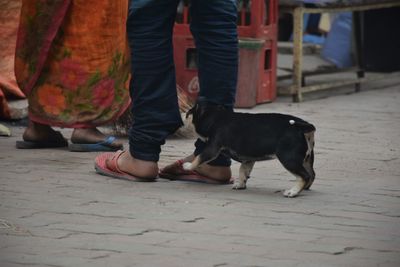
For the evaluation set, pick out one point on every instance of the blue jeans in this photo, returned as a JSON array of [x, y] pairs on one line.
[[153, 86]]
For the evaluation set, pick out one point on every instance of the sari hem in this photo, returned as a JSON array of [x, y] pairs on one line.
[[49, 122]]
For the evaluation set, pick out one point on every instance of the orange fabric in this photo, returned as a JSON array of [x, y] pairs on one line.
[[72, 61], [9, 16], [4, 111]]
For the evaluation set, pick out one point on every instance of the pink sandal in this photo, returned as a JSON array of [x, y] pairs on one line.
[[106, 164]]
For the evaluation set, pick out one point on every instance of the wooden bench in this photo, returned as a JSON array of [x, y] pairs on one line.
[[298, 8]]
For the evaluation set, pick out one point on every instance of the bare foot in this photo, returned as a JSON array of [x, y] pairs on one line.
[[137, 167], [220, 173], [37, 132], [91, 136]]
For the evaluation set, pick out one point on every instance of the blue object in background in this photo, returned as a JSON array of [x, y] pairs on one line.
[[313, 39], [337, 47], [310, 38]]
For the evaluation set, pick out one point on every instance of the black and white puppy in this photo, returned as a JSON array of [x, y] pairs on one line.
[[248, 138]]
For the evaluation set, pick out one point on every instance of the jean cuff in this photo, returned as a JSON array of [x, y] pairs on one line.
[[143, 151]]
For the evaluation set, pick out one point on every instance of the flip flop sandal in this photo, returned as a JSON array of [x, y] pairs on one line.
[[190, 176], [59, 141], [106, 164], [104, 145]]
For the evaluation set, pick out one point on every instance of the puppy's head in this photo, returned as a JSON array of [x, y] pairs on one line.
[[204, 115]]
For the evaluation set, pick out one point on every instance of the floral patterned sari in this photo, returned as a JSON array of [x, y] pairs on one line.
[[9, 17], [72, 61]]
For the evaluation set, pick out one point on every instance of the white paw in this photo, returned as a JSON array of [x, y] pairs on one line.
[[239, 186], [187, 166], [291, 192]]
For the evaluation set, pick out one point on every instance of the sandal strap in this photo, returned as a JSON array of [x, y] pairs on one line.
[[112, 163], [108, 140]]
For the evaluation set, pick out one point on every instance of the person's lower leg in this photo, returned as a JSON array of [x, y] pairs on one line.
[[153, 87], [215, 31]]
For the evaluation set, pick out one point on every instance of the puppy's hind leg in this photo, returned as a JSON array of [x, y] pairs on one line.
[[293, 151], [295, 190], [303, 178], [244, 173], [295, 167], [309, 166], [308, 162]]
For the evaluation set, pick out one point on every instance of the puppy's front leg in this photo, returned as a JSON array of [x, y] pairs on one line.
[[210, 152], [190, 166], [244, 173]]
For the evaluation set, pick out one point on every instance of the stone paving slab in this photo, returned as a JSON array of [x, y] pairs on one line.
[[55, 211]]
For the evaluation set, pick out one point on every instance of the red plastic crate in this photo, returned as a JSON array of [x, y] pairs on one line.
[[256, 19], [257, 72], [257, 53], [266, 91], [186, 65]]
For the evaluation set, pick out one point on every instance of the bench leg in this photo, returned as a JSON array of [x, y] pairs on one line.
[[297, 54], [358, 31]]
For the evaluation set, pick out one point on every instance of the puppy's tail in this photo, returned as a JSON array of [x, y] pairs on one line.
[[303, 125]]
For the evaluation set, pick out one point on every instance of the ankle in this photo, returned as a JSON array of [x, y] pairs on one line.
[[79, 134], [36, 131], [137, 167]]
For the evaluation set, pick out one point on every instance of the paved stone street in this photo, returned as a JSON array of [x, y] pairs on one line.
[[56, 211]]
